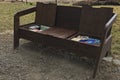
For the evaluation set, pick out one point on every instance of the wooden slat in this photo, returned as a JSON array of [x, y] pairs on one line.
[[93, 20], [59, 32], [45, 14], [68, 17]]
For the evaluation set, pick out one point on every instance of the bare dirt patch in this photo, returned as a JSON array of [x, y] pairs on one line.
[[33, 61]]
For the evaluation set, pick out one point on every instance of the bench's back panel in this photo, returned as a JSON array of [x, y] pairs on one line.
[[45, 14], [68, 17], [93, 20]]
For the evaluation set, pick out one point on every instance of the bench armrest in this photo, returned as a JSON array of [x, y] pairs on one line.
[[22, 13], [107, 29], [108, 38], [108, 25]]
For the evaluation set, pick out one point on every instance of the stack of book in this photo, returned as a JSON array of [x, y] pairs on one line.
[[37, 28], [42, 27], [87, 40]]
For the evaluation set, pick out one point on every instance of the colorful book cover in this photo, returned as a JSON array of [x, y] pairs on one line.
[[86, 39]]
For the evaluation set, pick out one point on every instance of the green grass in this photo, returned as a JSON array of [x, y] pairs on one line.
[[116, 34], [7, 11]]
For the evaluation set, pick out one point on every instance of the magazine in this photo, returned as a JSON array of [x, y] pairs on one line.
[[37, 28], [87, 40]]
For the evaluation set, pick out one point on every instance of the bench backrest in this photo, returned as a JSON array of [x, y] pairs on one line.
[[86, 20], [93, 20], [68, 17], [58, 16], [45, 14]]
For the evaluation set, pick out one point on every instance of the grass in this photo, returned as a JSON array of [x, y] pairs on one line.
[[116, 34], [7, 11]]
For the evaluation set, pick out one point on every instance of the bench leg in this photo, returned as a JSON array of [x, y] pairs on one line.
[[16, 31], [108, 54], [16, 40], [96, 68]]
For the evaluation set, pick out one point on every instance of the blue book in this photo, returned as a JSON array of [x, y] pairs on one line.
[[91, 41]]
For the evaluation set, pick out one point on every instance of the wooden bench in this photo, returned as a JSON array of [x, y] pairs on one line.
[[64, 24]]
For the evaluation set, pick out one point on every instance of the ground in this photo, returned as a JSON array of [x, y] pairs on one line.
[[33, 61]]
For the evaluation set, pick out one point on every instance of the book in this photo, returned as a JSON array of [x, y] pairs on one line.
[[78, 38], [34, 27], [44, 27], [37, 28], [91, 41], [87, 40]]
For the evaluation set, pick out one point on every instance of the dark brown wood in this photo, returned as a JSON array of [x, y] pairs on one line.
[[17, 24], [45, 14], [16, 32], [24, 12], [66, 22], [68, 17], [59, 32], [93, 20]]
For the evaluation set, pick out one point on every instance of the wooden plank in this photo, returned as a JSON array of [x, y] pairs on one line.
[[45, 14]]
